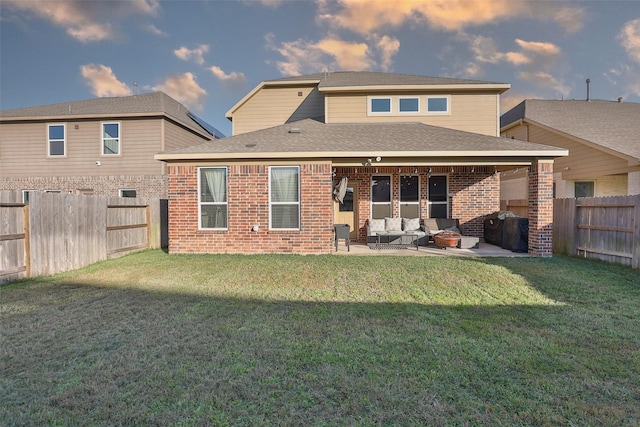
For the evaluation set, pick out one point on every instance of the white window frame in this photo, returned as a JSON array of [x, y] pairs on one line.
[[122, 190], [400, 202], [390, 202], [272, 203], [201, 203], [400, 98], [370, 100], [64, 140], [442, 113], [25, 195], [103, 139]]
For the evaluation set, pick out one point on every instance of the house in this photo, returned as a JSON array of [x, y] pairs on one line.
[[102, 146], [603, 139], [409, 146]]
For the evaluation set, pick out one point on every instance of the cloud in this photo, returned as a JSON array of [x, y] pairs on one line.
[[102, 81], [234, 79], [485, 50], [626, 78], [539, 48], [196, 55], [184, 88], [84, 20], [155, 30], [333, 53], [546, 80], [629, 37], [366, 16], [387, 47]]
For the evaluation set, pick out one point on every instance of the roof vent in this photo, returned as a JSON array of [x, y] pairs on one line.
[[294, 130], [619, 99], [250, 145]]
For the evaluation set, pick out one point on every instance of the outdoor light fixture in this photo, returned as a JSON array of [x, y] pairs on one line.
[[378, 158]]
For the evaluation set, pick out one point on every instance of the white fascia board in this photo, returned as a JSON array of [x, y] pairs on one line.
[[362, 155], [501, 87]]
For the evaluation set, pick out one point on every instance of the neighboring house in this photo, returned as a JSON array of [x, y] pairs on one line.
[[102, 146], [603, 139], [410, 146]]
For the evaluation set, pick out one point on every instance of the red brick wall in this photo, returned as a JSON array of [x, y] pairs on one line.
[[248, 204], [541, 209]]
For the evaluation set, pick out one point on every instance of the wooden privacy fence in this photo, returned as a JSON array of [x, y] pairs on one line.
[[62, 232], [520, 206], [606, 228]]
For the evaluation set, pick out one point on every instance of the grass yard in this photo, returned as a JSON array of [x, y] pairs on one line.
[[157, 339]]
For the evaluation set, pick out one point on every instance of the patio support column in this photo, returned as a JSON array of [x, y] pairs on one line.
[[541, 208]]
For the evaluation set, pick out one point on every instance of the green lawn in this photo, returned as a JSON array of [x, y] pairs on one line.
[[157, 339]]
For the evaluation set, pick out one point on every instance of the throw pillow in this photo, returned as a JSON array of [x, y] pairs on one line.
[[393, 224], [411, 224], [376, 225]]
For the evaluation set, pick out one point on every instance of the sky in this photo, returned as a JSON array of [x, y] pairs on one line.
[[209, 54]]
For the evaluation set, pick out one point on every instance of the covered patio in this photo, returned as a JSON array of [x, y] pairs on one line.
[[484, 250]]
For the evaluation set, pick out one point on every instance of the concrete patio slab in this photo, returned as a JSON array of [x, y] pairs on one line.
[[483, 250]]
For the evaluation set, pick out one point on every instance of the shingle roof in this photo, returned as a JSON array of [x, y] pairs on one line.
[[369, 78], [610, 124], [142, 104], [311, 138]]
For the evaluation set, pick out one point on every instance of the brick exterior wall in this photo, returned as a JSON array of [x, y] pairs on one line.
[[248, 204], [541, 209], [475, 194], [147, 186]]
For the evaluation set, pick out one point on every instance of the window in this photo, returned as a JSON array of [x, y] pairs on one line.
[[438, 104], [584, 189], [409, 105], [56, 137], [380, 105], [410, 197], [25, 196], [438, 197], [110, 138], [212, 188], [380, 197], [284, 197], [128, 193]]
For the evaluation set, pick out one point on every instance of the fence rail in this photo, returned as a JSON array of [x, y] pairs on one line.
[[61, 232], [606, 228]]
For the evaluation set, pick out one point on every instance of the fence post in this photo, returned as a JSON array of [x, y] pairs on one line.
[[26, 225], [148, 218], [635, 249]]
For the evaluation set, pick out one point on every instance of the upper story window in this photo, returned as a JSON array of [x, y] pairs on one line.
[[213, 198], [110, 138], [284, 197], [437, 105], [380, 105], [56, 135], [409, 105]]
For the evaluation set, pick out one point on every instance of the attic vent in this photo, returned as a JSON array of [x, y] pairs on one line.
[[294, 130]]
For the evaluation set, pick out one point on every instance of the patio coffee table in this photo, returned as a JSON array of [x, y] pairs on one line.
[[384, 241]]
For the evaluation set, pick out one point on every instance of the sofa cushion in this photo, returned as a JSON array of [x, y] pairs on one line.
[[393, 224], [410, 224], [376, 225]]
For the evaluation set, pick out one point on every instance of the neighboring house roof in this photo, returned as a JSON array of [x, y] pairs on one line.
[[370, 81], [312, 139], [142, 105], [609, 124]]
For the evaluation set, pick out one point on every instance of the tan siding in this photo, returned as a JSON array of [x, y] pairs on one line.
[[177, 137], [583, 161], [469, 112], [275, 106], [23, 150]]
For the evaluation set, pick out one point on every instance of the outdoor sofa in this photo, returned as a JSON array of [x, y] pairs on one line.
[[396, 232]]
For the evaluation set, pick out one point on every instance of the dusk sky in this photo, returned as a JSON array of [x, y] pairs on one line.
[[208, 55]]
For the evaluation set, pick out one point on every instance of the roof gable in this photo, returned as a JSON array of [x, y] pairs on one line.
[[148, 104], [609, 124]]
